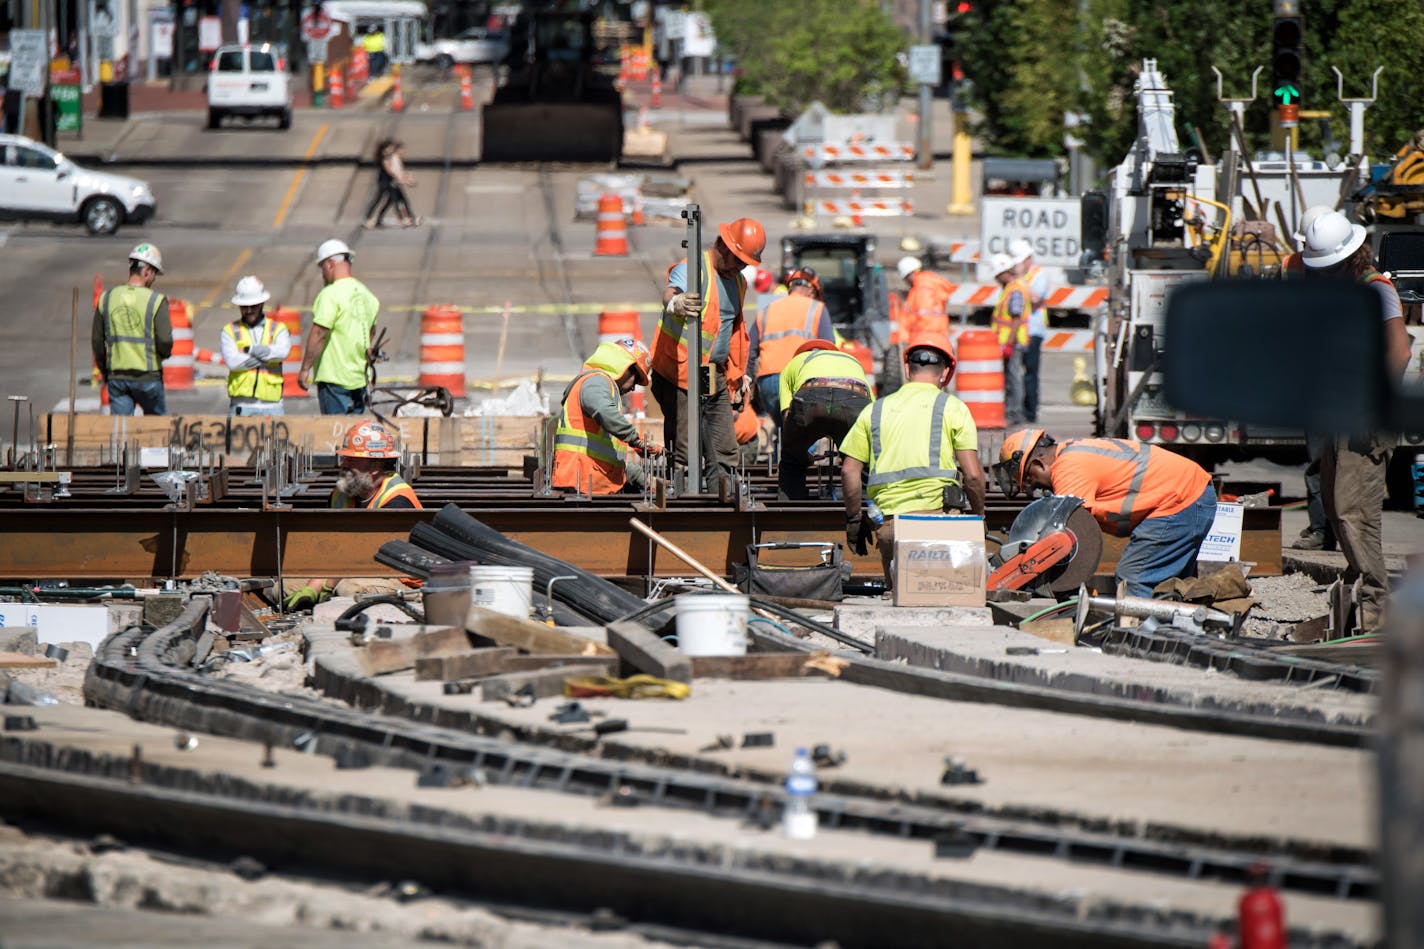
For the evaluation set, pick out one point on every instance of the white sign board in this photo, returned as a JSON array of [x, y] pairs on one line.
[[1051, 225], [700, 40], [1223, 541], [163, 39], [209, 33], [925, 65], [316, 51], [28, 62], [58, 624], [674, 23]]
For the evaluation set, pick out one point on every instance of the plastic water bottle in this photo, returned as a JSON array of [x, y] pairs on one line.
[[798, 820], [873, 512]]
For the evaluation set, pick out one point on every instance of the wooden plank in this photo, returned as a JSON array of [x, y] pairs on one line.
[[545, 683], [530, 636], [18, 660], [381, 656], [553, 660], [788, 665], [463, 665], [641, 648]]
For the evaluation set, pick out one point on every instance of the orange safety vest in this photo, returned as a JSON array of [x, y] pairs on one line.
[[782, 328], [1003, 321], [1124, 482], [669, 349], [925, 309], [586, 458], [393, 487]]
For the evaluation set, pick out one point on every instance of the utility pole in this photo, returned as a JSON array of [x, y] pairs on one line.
[[924, 151]]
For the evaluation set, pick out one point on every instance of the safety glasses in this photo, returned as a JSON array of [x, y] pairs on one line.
[[1006, 475]]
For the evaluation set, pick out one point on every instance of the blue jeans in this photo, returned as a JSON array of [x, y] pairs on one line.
[[1030, 381], [769, 396], [1161, 548], [148, 395], [335, 400]]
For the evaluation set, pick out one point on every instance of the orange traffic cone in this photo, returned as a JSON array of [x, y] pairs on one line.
[[336, 89], [657, 91], [611, 232], [397, 99], [467, 92]]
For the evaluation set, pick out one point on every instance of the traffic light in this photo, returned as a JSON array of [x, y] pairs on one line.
[[1287, 34]]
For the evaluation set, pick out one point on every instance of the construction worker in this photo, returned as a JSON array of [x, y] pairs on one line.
[[926, 308], [253, 347], [1352, 468], [1293, 266], [822, 392], [588, 444], [132, 334], [916, 449], [717, 305], [1010, 322], [1163, 503], [779, 329], [338, 345], [1035, 282], [366, 478], [374, 43]]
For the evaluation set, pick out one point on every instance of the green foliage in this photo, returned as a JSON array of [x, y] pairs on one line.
[[842, 52]]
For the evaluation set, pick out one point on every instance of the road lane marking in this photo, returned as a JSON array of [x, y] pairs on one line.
[[298, 176], [222, 281]]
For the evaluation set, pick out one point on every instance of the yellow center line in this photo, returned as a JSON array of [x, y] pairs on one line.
[[222, 281], [297, 178]]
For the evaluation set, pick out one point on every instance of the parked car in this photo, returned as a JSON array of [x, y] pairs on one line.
[[250, 81], [38, 183], [475, 45]]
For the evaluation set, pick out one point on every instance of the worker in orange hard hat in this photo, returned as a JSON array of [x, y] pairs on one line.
[[717, 306], [588, 444], [822, 391], [366, 478], [916, 450], [779, 329], [1163, 503]]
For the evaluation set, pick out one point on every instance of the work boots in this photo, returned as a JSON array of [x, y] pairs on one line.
[[1313, 540]]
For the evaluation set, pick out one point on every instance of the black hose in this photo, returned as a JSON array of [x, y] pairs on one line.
[[400, 604], [408, 558]]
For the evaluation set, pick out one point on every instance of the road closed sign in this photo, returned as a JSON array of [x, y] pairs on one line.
[[1051, 225]]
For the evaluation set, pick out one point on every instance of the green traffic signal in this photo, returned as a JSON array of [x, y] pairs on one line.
[[1286, 93]]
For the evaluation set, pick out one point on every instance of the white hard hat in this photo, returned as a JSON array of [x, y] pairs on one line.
[[1331, 239], [331, 248], [250, 292], [1308, 218], [1020, 249], [1001, 263], [146, 253], [907, 266]]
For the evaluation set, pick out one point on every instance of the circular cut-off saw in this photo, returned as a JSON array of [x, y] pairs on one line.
[[1053, 546]]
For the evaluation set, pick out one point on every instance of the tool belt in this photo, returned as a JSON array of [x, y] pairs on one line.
[[816, 581], [850, 385]]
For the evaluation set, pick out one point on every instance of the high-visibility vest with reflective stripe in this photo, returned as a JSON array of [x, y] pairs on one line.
[[1040, 309], [393, 487], [918, 451], [1133, 481], [926, 305], [669, 348], [128, 327], [262, 382], [1003, 320], [782, 328], [586, 458]]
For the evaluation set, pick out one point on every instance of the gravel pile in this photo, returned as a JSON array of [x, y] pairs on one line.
[[1282, 602]]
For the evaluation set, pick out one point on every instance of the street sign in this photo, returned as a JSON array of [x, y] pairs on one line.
[[316, 25], [316, 51], [1051, 225], [28, 62], [925, 65]]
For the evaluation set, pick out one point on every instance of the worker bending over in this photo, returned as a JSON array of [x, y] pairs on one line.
[[253, 347], [1163, 503], [366, 478], [822, 392], [917, 451], [588, 444], [779, 329]]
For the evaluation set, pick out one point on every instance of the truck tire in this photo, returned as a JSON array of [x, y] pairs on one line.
[[284, 119], [892, 371], [214, 119], [102, 215]]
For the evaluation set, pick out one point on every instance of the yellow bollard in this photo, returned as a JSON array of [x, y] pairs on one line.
[[1082, 391], [960, 200]]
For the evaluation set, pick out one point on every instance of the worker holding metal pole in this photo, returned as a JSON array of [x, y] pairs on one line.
[[716, 383]]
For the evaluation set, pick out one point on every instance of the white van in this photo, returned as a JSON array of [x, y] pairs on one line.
[[251, 81]]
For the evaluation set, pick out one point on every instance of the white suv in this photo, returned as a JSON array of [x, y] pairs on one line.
[[251, 81], [39, 183]]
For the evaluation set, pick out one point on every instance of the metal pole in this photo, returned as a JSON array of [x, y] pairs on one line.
[[73, 375], [924, 151], [692, 339]]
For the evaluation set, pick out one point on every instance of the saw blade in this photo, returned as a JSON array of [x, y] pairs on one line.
[[1088, 551]]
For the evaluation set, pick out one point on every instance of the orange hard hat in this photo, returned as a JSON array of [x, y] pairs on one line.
[[811, 344], [1015, 451], [807, 276], [368, 440], [936, 341], [744, 237]]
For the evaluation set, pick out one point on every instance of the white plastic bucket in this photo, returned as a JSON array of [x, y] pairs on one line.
[[507, 590], [712, 624]]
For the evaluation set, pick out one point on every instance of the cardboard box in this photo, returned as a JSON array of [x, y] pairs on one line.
[[939, 560]]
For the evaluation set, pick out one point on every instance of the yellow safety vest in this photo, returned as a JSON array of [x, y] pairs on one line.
[[128, 327], [1003, 320], [262, 382], [919, 451]]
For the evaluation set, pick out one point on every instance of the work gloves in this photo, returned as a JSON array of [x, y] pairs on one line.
[[647, 449], [260, 353], [860, 535], [686, 305], [304, 598]]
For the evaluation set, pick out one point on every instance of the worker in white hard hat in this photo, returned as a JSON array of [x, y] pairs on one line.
[[343, 320], [1035, 283], [253, 347], [132, 335], [1352, 468], [1010, 324], [926, 308], [1293, 265]]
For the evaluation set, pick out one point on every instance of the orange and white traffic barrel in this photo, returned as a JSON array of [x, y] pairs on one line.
[[178, 367], [292, 363], [614, 325], [979, 377], [442, 349], [612, 231]]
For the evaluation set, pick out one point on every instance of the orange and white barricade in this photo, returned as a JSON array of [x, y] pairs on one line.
[[292, 364], [442, 349], [178, 367], [979, 377], [612, 229]]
